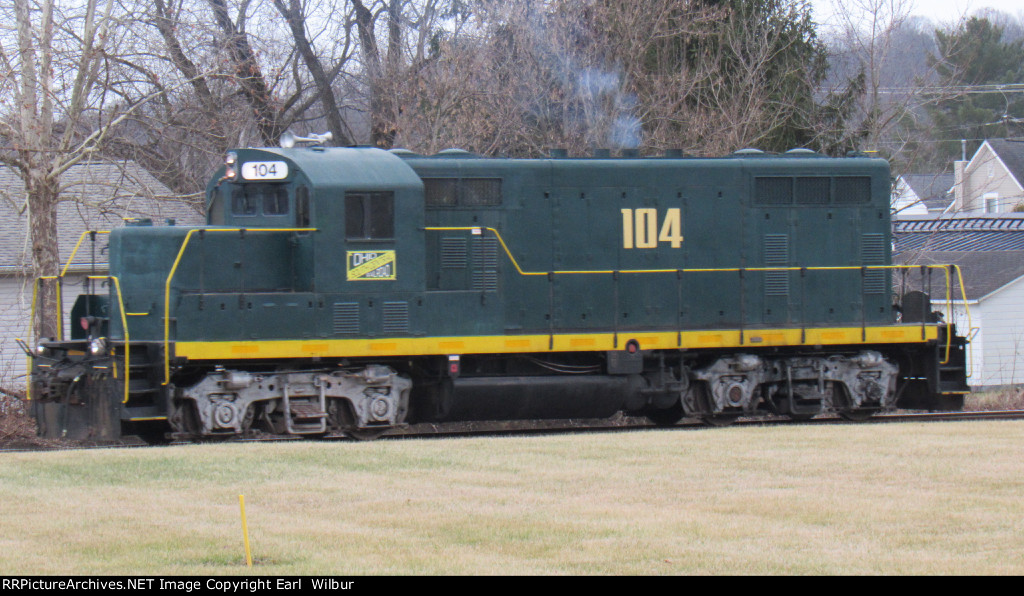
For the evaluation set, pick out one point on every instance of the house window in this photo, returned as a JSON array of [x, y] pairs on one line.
[[369, 215], [991, 202]]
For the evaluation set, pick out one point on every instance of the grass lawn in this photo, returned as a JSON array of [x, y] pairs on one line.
[[921, 498]]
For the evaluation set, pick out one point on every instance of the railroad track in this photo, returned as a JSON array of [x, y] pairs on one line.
[[447, 431], [694, 424]]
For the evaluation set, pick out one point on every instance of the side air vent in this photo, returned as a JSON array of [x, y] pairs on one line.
[[396, 317], [776, 254], [485, 264], [453, 253], [773, 190], [872, 252], [346, 318]]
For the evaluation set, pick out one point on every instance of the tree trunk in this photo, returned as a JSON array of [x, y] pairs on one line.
[[42, 199]]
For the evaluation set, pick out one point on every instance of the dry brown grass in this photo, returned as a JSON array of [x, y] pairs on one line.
[[17, 428], [1006, 398], [938, 498]]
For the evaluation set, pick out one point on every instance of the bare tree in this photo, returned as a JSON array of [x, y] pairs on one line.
[[66, 103], [706, 77], [323, 80], [871, 43]]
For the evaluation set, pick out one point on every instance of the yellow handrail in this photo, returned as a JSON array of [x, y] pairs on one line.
[[124, 327], [74, 251], [515, 263], [60, 322], [174, 269]]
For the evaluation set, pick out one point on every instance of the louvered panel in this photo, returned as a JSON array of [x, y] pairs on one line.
[[346, 318], [485, 252], [396, 317], [453, 253], [776, 254], [872, 252], [485, 281], [485, 264]]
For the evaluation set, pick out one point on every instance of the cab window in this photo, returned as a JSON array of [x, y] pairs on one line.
[[369, 215], [302, 218], [249, 200]]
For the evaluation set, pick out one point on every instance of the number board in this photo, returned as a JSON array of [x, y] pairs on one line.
[[264, 170], [371, 266]]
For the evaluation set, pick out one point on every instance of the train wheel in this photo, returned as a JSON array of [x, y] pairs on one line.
[[856, 415], [365, 434], [154, 438], [151, 433], [668, 416], [699, 405], [720, 419]]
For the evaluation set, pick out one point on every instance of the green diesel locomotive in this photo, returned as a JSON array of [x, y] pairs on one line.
[[354, 290]]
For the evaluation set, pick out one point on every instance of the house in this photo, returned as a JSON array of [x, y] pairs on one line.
[[95, 196], [922, 194], [993, 180], [990, 254]]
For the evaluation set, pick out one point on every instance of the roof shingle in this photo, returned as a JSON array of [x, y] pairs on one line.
[[95, 196]]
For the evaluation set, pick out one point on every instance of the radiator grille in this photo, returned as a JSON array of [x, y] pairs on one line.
[[453, 253], [346, 318], [485, 264], [776, 254], [872, 252], [396, 317]]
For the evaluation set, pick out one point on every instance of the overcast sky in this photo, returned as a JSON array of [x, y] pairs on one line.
[[940, 11]]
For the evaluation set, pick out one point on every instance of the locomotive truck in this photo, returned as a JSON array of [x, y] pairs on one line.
[[354, 290]]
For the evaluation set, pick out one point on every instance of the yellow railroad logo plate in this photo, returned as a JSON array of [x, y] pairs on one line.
[[371, 266]]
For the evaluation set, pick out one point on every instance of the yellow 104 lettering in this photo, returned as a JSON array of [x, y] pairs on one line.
[[640, 228]]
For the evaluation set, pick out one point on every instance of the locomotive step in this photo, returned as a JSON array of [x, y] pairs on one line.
[[307, 412]]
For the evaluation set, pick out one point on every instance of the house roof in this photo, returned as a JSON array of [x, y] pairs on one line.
[[1011, 152], [989, 250], [1005, 232], [934, 190], [983, 272], [94, 196]]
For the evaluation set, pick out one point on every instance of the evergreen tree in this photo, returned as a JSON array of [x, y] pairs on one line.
[[976, 54]]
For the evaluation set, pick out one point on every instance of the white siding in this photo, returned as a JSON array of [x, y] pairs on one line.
[[1003, 349], [996, 351], [973, 329], [15, 296], [15, 312], [986, 175], [905, 201]]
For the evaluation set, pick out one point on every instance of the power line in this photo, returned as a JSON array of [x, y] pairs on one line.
[[960, 89]]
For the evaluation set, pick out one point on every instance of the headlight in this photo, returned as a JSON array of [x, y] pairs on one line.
[[98, 346], [230, 163], [40, 350]]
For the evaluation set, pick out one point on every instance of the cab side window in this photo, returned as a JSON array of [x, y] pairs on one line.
[[302, 207], [369, 215]]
